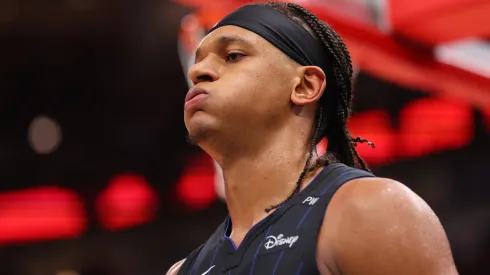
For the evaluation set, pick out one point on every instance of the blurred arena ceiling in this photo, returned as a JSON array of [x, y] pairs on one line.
[[437, 46]]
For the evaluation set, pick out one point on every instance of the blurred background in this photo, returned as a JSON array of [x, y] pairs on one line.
[[96, 176]]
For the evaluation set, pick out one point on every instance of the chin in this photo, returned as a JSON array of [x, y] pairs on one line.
[[198, 133], [200, 125]]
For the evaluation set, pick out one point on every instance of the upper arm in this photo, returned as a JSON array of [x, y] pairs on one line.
[[379, 226], [175, 268]]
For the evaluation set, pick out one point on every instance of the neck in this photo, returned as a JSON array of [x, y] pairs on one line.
[[253, 182]]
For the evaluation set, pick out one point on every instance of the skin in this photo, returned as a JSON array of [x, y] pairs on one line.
[[257, 121]]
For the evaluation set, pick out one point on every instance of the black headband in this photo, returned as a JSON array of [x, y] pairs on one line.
[[281, 31]]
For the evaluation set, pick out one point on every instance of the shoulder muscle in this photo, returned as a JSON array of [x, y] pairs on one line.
[[379, 226]]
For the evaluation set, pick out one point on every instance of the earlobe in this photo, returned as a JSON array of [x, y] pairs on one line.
[[310, 87]]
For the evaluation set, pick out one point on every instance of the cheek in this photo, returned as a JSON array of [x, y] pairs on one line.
[[271, 91], [257, 86], [239, 89], [252, 90]]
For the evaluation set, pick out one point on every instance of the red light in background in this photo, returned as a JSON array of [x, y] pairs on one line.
[[196, 186], [127, 201], [321, 147], [432, 125], [374, 126], [41, 213]]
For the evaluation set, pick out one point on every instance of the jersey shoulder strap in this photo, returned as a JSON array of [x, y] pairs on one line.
[[327, 183], [316, 200]]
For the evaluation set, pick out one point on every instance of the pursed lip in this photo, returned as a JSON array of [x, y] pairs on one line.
[[193, 92]]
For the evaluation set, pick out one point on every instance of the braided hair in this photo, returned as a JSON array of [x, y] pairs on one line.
[[335, 105]]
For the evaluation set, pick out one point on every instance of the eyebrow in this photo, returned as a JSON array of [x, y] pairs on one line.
[[226, 40]]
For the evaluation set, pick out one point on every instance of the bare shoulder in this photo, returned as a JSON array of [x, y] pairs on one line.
[[367, 194], [175, 268], [380, 226]]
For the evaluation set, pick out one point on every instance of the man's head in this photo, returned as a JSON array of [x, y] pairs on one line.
[[253, 88], [265, 75]]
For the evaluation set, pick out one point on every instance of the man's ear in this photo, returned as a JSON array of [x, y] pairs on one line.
[[310, 87]]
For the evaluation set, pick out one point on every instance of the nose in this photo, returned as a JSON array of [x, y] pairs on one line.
[[203, 72]]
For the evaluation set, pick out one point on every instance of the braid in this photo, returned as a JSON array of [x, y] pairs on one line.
[[306, 169], [335, 105]]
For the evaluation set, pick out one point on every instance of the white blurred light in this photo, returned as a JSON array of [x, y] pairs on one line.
[[44, 135], [367, 12], [191, 32], [472, 55]]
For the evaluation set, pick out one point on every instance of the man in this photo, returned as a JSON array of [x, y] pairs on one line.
[[270, 82]]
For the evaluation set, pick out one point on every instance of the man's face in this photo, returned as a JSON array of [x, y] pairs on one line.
[[248, 83]]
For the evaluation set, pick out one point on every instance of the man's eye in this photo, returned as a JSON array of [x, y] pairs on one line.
[[234, 57]]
